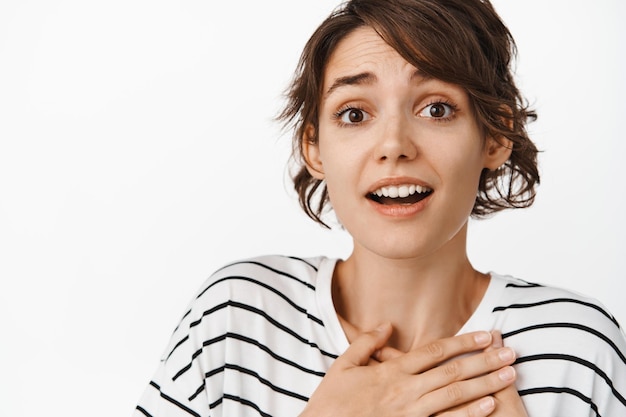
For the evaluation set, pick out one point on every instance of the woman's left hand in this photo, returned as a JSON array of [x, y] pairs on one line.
[[507, 401]]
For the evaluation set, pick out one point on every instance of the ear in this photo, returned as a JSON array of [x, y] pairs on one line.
[[498, 148], [497, 151], [311, 153]]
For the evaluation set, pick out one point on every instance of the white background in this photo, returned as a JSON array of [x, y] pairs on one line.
[[138, 154]]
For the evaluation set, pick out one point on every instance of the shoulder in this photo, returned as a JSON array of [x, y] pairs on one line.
[[252, 295], [533, 304], [251, 317], [570, 348], [274, 268], [270, 284], [260, 276]]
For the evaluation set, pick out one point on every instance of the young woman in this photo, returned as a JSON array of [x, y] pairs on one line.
[[407, 122]]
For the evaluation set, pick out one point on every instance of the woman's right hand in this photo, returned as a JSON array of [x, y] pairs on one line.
[[420, 383]]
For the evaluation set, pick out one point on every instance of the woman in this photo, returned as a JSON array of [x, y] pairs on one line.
[[407, 122]]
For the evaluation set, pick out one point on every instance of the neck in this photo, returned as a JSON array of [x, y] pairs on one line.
[[425, 298]]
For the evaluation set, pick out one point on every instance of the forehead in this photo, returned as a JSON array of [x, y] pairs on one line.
[[363, 50]]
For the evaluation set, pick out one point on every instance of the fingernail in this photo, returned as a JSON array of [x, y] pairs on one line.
[[497, 340], [506, 354], [507, 374], [482, 338], [487, 404]]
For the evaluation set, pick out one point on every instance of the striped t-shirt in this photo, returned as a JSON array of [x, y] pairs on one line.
[[261, 333]]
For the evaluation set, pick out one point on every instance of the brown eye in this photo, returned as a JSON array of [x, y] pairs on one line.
[[353, 116], [437, 111]]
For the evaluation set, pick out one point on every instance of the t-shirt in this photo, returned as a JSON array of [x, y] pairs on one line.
[[261, 333]]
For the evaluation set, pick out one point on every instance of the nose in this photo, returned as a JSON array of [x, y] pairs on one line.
[[396, 141]]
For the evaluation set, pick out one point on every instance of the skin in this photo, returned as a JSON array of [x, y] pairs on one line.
[[412, 384], [383, 123]]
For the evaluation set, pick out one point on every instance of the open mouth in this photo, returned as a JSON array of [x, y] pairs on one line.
[[400, 194]]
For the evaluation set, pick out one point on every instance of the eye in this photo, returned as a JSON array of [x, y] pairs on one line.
[[438, 110], [352, 116]]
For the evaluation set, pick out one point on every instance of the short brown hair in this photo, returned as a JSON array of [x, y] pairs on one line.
[[463, 42]]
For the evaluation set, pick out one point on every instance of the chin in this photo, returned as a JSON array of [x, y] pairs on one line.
[[401, 250]]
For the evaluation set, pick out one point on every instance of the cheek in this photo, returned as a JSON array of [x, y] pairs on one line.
[[341, 159], [462, 170]]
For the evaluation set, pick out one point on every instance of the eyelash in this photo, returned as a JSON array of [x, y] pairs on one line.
[[337, 116], [453, 107], [343, 110]]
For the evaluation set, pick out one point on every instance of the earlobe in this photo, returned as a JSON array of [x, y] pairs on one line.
[[311, 153], [497, 152]]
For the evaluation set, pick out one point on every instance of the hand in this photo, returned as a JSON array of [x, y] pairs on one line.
[[419, 383], [508, 401]]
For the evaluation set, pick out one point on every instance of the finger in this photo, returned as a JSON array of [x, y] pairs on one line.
[[496, 340], [364, 346], [464, 368], [387, 353], [462, 392], [508, 402], [479, 408], [439, 351]]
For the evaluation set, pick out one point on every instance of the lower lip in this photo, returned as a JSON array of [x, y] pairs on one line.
[[400, 210]]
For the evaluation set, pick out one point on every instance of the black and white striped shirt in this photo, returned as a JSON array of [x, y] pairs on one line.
[[261, 333]]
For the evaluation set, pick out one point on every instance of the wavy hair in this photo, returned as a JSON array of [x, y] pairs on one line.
[[463, 42]]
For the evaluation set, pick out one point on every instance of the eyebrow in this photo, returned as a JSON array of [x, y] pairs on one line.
[[367, 78], [358, 79], [418, 73]]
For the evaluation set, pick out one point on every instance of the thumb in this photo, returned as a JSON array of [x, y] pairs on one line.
[[364, 346], [387, 353]]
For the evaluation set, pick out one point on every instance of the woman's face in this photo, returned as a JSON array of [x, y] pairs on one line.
[[401, 153]]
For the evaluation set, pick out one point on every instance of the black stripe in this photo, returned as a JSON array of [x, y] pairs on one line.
[[216, 403], [267, 382], [303, 261], [267, 267], [183, 340], [571, 326], [524, 285], [263, 314], [256, 311], [197, 353], [558, 300], [252, 342], [276, 271], [272, 354], [246, 402], [239, 400], [198, 392], [182, 318], [143, 411], [280, 326], [267, 287], [560, 390], [263, 381], [590, 365], [173, 401]]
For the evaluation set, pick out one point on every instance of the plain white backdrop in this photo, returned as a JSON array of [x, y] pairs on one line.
[[138, 154]]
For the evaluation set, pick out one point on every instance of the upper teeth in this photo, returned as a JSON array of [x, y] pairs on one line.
[[395, 191]]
